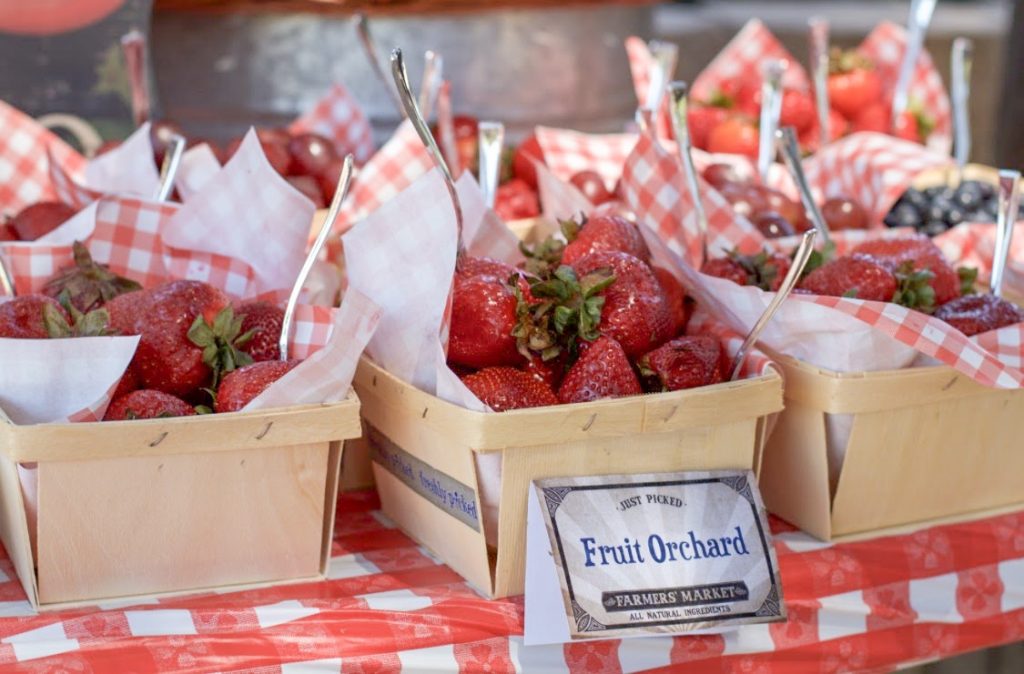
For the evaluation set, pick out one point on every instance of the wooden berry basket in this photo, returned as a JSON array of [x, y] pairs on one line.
[[926, 444], [425, 450], [173, 505]]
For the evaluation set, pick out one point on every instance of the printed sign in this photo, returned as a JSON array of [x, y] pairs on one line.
[[642, 555]]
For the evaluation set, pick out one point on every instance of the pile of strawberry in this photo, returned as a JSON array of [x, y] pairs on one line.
[[910, 271], [580, 321], [728, 121], [36, 220], [197, 352]]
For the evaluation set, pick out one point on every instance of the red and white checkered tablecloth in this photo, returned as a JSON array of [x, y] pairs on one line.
[[388, 606]]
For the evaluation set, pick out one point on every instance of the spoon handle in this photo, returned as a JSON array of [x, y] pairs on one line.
[[491, 142], [679, 105], [791, 154], [372, 55], [917, 26], [133, 45], [314, 252], [819, 34], [803, 254], [433, 75], [960, 69], [1009, 203], [771, 110], [169, 168], [401, 78], [6, 279], [665, 56]]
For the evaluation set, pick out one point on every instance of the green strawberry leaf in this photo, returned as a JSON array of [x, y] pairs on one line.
[[968, 277]]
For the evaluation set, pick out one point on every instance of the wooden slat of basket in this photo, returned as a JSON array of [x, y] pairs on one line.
[[372, 7]]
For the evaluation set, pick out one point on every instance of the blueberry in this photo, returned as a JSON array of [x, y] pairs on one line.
[[934, 191], [903, 215], [968, 195], [938, 210], [954, 216], [915, 198], [934, 227], [988, 190]]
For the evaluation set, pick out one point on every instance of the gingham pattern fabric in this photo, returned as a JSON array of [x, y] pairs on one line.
[[387, 605], [66, 187], [24, 170], [339, 117], [568, 152], [744, 54]]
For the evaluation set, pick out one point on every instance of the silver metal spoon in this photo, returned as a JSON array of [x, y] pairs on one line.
[[818, 34], [960, 72], [491, 141], [373, 56], [321, 238], [169, 168], [917, 26], [679, 103], [800, 258], [790, 150], [433, 75], [133, 46], [1009, 203], [401, 78], [6, 279], [771, 110], [665, 56]]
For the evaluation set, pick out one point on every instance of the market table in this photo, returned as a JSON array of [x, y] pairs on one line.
[[390, 606]]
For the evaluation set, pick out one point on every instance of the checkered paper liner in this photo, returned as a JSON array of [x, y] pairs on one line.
[[24, 167], [339, 116], [885, 46], [653, 189], [567, 152]]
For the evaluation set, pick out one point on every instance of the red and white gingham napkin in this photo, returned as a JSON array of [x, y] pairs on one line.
[[754, 44], [339, 116], [653, 188], [24, 170], [568, 152]]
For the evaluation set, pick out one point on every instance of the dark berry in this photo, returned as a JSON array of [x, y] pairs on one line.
[[954, 216], [915, 198], [968, 195], [934, 227], [905, 215]]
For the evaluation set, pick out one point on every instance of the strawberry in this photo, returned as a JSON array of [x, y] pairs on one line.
[[126, 310], [739, 93], [483, 318], [975, 314], [701, 120], [602, 233], [40, 218], [516, 200], [506, 388], [241, 386], [89, 285], [914, 125], [592, 186], [602, 371], [189, 338], [860, 276], [128, 382], [727, 268], [274, 143], [798, 110], [810, 138], [766, 270], [264, 321], [634, 313], [30, 317], [523, 160], [675, 299], [548, 371], [872, 117], [921, 253], [735, 135], [466, 141], [7, 232], [147, 404], [684, 362], [852, 83]]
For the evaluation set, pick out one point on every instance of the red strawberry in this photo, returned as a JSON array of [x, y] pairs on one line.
[[147, 404], [88, 285], [798, 110], [602, 233], [522, 161], [26, 317], [506, 388], [872, 117], [852, 83], [548, 371], [634, 313], [701, 120], [592, 186], [675, 299], [810, 138], [241, 386], [483, 318], [975, 314], [516, 200], [728, 268], [602, 371], [264, 321], [908, 127], [129, 382], [467, 138], [735, 135], [127, 310], [7, 233], [40, 218], [860, 276], [190, 336], [684, 362], [922, 254]]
